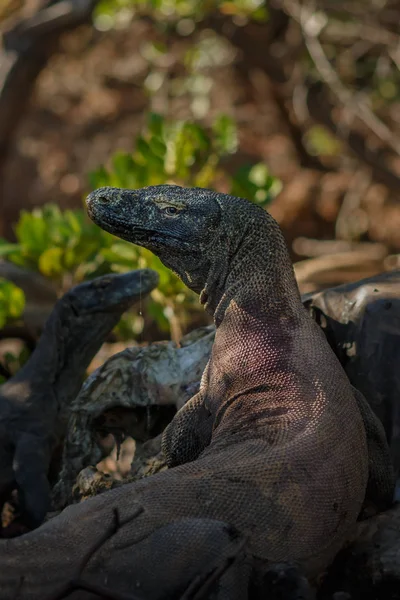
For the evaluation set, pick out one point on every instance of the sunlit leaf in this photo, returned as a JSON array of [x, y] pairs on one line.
[[12, 302], [155, 124], [6, 248], [50, 262], [225, 132]]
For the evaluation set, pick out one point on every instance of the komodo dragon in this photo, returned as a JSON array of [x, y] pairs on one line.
[[361, 321], [274, 443], [34, 403]]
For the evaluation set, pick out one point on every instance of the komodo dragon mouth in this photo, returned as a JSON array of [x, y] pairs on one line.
[[141, 235], [117, 227]]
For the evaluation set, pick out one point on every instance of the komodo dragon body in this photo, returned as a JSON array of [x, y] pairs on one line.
[[359, 321], [273, 444]]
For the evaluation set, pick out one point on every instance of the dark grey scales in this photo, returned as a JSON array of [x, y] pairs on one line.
[[34, 403], [274, 444]]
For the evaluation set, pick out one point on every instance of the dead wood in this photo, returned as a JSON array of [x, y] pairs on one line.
[[34, 404]]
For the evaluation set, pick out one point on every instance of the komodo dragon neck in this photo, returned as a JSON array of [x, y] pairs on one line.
[[253, 278]]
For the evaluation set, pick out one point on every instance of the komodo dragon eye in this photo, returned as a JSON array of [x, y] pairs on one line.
[[171, 211]]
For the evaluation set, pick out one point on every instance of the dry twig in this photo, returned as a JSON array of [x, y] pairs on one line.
[[311, 24]]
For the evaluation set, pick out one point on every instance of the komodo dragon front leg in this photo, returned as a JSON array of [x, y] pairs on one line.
[[190, 431]]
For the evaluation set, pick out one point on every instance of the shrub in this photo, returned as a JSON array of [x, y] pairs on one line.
[[67, 247]]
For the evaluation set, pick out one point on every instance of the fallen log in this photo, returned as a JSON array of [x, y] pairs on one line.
[[35, 403]]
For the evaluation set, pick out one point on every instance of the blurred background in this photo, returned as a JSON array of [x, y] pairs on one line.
[[292, 104]]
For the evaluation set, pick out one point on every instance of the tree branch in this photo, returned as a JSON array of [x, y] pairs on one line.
[[311, 26]]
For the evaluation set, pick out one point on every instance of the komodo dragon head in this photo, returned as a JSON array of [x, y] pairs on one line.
[[197, 233]]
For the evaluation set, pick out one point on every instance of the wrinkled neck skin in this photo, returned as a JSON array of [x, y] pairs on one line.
[[253, 268]]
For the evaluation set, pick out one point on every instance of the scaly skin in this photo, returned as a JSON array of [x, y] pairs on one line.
[[274, 443]]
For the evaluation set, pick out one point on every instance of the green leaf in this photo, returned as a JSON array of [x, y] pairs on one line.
[[12, 301], [6, 249], [123, 164], [17, 302], [259, 175], [225, 132], [156, 311], [155, 124], [32, 234], [50, 262], [122, 250], [74, 222], [142, 147], [158, 147], [99, 178], [319, 141]]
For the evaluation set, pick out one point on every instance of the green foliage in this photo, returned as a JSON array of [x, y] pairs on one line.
[[319, 141], [168, 151], [180, 12], [13, 362], [185, 153], [255, 183], [12, 302], [67, 247], [56, 243]]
